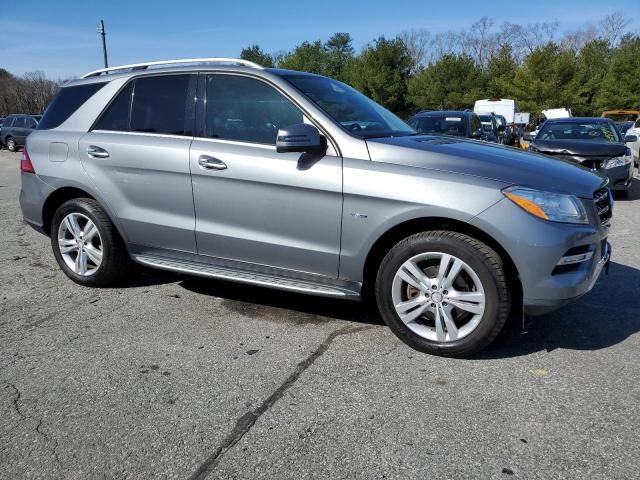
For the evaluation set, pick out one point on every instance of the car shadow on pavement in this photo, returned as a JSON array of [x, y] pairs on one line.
[[258, 298], [606, 316]]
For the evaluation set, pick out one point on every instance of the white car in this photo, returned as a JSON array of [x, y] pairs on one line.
[[635, 146]]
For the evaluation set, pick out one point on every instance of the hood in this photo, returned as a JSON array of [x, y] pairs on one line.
[[580, 148], [496, 162]]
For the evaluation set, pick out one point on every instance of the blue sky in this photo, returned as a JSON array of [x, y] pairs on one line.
[[60, 38]]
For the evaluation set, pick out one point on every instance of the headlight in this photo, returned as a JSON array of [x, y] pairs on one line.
[[616, 162], [555, 207]]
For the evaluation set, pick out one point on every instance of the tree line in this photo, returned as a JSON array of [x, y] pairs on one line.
[[589, 70], [30, 93]]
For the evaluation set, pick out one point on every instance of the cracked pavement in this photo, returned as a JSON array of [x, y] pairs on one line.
[[169, 376]]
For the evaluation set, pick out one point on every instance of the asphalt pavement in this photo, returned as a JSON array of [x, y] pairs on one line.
[[169, 376]]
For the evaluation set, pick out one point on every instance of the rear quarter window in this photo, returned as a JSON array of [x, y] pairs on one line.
[[66, 102]]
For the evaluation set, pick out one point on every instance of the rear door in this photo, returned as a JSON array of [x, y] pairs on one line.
[[138, 157], [18, 129], [253, 204]]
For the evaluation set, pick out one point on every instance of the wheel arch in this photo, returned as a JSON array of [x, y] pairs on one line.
[[402, 230], [63, 194]]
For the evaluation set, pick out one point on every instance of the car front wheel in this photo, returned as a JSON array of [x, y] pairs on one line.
[[443, 293]]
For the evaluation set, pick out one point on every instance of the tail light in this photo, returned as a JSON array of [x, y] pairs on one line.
[[25, 162]]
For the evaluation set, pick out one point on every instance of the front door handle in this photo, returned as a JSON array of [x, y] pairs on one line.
[[211, 163], [97, 152]]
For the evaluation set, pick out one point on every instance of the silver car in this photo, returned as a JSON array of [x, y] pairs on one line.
[[288, 180]]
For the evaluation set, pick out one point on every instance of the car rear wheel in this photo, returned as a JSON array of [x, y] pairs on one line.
[[11, 144], [87, 245], [443, 293]]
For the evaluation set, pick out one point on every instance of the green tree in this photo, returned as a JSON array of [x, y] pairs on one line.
[[254, 53], [592, 66], [545, 79], [339, 51], [308, 57], [500, 72], [381, 72], [454, 81], [621, 84]]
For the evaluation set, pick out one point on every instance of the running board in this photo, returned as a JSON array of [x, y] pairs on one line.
[[252, 278]]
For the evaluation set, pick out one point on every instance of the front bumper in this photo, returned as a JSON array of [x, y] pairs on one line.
[[536, 246], [619, 177]]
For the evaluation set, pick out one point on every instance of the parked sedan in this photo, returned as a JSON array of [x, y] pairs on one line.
[[595, 143], [454, 123]]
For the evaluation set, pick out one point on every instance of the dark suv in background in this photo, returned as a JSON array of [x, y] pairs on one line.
[[16, 129], [451, 122]]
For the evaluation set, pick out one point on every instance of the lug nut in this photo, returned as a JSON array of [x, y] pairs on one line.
[[433, 287], [445, 292]]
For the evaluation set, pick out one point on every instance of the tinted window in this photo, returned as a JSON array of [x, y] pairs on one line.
[[31, 122], [160, 104], [19, 122], [245, 109], [475, 123], [441, 125], [67, 101], [116, 116], [354, 111], [8, 122], [593, 131]]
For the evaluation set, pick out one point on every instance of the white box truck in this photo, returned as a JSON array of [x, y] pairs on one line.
[[500, 106]]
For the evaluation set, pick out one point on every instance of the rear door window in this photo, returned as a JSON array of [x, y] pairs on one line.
[[66, 102], [116, 116], [19, 122], [160, 105], [31, 122]]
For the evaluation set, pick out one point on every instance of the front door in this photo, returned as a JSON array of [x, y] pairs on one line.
[[253, 204], [138, 158]]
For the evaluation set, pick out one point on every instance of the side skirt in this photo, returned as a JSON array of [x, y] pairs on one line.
[[222, 269]]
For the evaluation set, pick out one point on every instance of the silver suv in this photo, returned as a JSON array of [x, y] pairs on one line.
[[283, 179]]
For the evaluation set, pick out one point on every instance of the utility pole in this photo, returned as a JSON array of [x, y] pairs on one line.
[[102, 32]]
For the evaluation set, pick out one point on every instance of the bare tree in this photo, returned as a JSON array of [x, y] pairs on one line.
[[613, 26], [418, 43], [575, 40]]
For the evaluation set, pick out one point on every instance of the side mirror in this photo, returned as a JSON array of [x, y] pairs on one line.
[[301, 137], [630, 139]]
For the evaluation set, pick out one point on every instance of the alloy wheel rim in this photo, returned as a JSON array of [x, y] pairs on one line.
[[80, 244], [438, 297]]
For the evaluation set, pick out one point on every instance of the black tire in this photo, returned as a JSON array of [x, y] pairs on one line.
[[487, 265], [115, 259], [622, 193], [11, 144]]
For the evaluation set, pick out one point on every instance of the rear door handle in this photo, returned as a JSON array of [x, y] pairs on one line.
[[97, 152], [211, 163]]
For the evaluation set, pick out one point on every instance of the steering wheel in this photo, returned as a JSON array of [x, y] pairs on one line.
[[355, 127]]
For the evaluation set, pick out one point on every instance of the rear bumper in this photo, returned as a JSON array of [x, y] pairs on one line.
[[33, 194]]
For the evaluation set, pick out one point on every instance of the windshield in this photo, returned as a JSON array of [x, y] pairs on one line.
[[594, 131], [357, 113], [440, 125]]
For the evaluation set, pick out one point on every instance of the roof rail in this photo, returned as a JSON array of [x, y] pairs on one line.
[[143, 66]]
